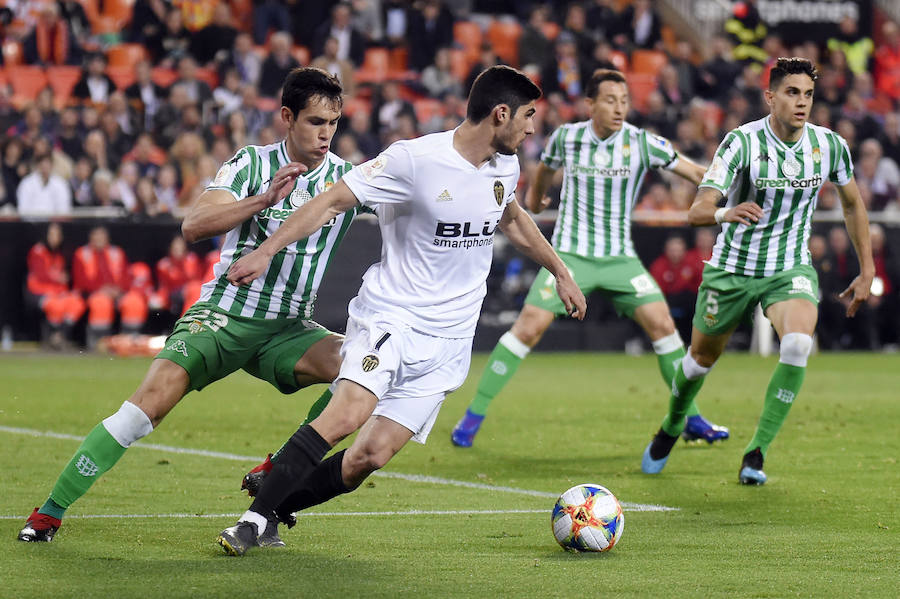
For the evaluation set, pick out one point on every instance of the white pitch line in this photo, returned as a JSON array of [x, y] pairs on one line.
[[416, 478], [308, 514]]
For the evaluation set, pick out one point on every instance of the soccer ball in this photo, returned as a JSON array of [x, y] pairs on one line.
[[587, 518]]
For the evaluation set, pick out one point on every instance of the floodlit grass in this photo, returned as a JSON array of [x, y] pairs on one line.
[[826, 524]]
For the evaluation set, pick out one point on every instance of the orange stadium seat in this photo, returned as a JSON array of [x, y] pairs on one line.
[[163, 77], [648, 62], [105, 25], [63, 79], [504, 38], [468, 35], [210, 76], [121, 76], [550, 30], [428, 108], [12, 52], [460, 63], [399, 59], [301, 53], [354, 104], [126, 55], [639, 87], [91, 8], [27, 81], [120, 10], [375, 66]]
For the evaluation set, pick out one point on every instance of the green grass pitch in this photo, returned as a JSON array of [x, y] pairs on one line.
[[826, 524]]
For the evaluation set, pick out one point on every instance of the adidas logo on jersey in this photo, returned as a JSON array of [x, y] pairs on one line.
[[444, 197]]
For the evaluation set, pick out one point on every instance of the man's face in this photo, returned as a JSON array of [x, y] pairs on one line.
[[310, 132], [511, 135], [609, 107], [791, 102]]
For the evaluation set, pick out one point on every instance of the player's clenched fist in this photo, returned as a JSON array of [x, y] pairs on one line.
[[248, 268], [282, 182]]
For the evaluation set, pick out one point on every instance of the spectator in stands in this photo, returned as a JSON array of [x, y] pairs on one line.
[[659, 116], [14, 168], [575, 24], [95, 85], [534, 46], [245, 59], [842, 270], [123, 190], [704, 240], [173, 41], [47, 288], [486, 58], [166, 188], [210, 45], [185, 156], [146, 156], [678, 279], [118, 143], [657, 207], [42, 192], [857, 46], [828, 91], [70, 137], [346, 147], [718, 72], [361, 130], [885, 298], [879, 173], [277, 64], [236, 130], [198, 91], [95, 149], [61, 164], [367, 20], [683, 63], [887, 61], [51, 41], [29, 128], [642, 26], [175, 270], [831, 315], [889, 136], [80, 182], [438, 79], [148, 21], [387, 107], [395, 21], [747, 30], [855, 109], [144, 94], [73, 13], [669, 86], [562, 75], [255, 118], [227, 96], [100, 274], [9, 115], [339, 67], [268, 15], [147, 204], [351, 45], [102, 191], [430, 27], [602, 19]]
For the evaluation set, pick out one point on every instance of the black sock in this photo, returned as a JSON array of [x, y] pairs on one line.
[[322, 484], [301, 454]]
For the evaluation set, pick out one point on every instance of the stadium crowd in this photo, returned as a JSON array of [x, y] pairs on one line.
[[128, 109]]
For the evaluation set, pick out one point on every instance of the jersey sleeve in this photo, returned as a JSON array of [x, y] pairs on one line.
[[554, 153], [842, 171], [726, 164], [386, 179], [660, 151], [234, 175]]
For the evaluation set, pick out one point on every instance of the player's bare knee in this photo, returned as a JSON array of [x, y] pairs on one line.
[[795, 349], [360, 462]]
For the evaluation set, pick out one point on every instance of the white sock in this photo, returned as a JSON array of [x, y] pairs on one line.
[[258, 519], [668, 344], [128, 424], [512, 343], [692, 370]]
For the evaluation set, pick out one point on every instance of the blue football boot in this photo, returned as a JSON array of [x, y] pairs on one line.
[[698, 428], [465, 430], [657, 452], [751, 469]]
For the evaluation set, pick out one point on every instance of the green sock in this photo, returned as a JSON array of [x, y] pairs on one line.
[[783, 389], [501, 366], [98, 453], [683, 393], [668, 363], [313, 413]]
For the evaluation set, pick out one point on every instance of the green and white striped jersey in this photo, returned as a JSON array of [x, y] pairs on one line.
[[288, 288], [753, 165], [601, 182]]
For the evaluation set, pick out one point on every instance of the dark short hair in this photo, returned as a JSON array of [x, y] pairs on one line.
[[304, 83], [599, 76], [498, 85], [791, 66]]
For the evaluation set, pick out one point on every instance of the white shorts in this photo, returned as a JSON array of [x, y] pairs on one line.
[[409, 372]]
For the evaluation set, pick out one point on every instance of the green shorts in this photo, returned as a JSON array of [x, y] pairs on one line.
[[210, 344], [622, 279], [725, 299]]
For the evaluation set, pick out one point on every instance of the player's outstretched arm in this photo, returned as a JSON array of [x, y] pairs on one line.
[[308, 219], [216, 211], [521, 230], [705, 211], [536, 198], [688, 169], [857, 222]]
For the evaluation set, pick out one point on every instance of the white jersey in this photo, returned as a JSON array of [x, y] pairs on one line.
[[753, 165], [437, 214]]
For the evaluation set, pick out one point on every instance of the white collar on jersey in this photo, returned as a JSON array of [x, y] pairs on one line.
[[609, 140], [282, 149], [780, 142]]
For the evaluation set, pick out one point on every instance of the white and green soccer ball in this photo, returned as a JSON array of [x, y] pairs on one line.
[[587, 518]]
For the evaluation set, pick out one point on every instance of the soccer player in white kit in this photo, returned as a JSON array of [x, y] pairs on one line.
[[439, 199], [770, 171]]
